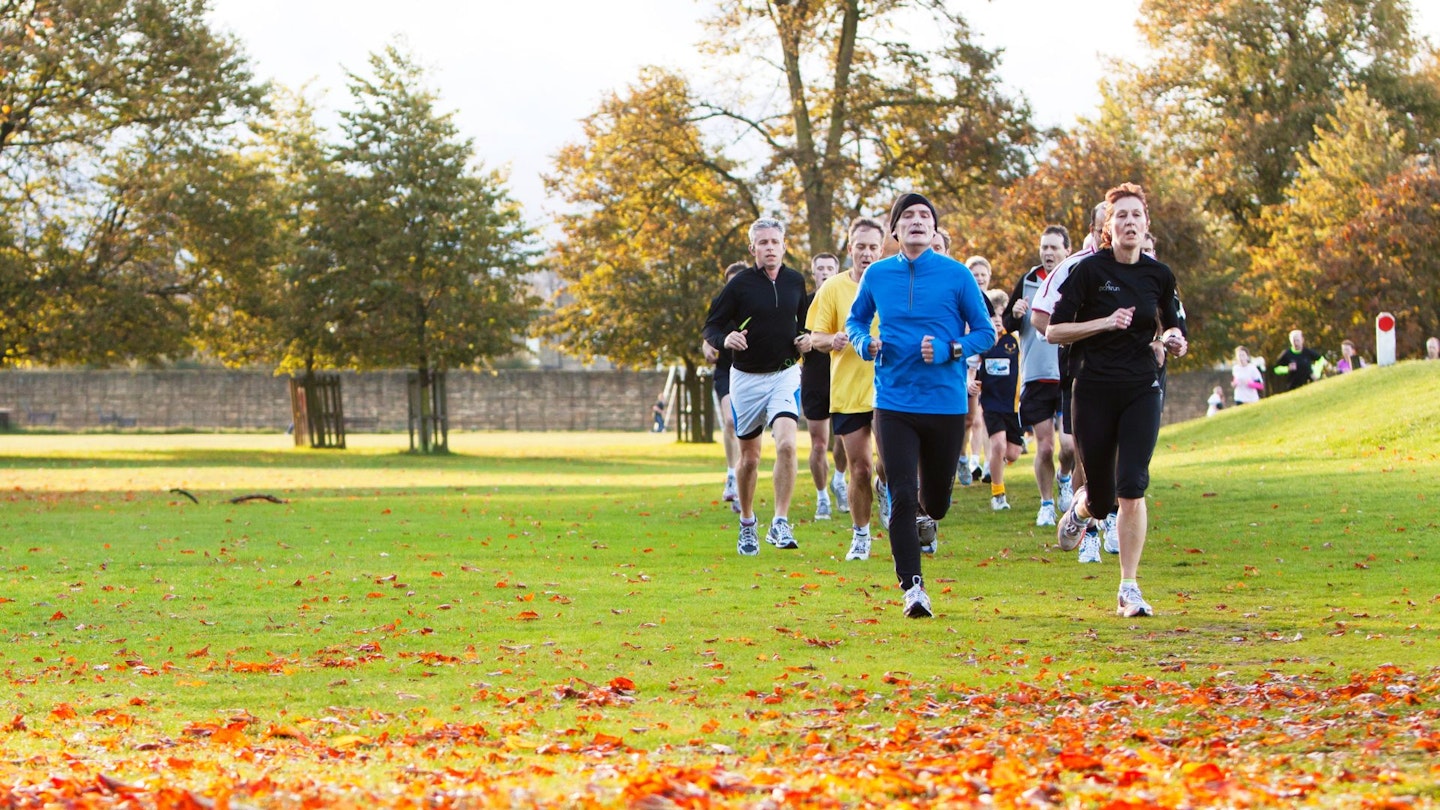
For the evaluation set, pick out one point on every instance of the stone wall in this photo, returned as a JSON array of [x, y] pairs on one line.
[[256, 400], [1186, 394]]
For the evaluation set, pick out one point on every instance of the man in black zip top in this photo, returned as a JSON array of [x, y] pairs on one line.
[[758, 317]]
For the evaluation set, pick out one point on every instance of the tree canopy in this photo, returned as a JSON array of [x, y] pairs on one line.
[[849, 101], [1301, 277], [430, 253], [657, 214], [75, 72], [1236, 89], [109, 109], [156, 203]]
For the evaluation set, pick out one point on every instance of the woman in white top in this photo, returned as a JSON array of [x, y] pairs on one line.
[[1246, 378]]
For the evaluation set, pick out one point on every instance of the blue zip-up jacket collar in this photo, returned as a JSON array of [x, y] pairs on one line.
[[930, 295]]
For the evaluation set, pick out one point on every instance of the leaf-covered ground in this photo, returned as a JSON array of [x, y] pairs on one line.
[[562, 621], [1370, 742]]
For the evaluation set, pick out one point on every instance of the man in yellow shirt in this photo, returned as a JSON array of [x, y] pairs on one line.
[[852, 380]]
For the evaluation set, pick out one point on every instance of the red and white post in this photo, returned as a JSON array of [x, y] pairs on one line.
[[1385, 339]]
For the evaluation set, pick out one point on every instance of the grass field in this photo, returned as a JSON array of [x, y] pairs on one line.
[[561, 619]]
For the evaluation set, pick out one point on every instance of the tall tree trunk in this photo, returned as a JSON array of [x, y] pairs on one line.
[[817, 168], [423, 412]]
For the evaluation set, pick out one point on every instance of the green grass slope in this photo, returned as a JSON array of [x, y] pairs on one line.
[[1294, 536]]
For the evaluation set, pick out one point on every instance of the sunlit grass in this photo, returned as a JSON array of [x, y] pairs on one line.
[[1293, 538]]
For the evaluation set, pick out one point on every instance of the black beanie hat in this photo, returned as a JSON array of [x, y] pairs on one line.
[[905, 201]]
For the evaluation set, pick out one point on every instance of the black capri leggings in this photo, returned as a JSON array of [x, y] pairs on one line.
[[919, 451], [1116, 426]]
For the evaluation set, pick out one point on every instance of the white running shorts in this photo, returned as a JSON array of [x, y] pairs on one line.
[[756, 400]]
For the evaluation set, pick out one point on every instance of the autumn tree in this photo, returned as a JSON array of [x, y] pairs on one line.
[[1237, 88], [1351, 155], [276, 300], [430, 252], [1385, 259], [109, 264], [119, 285], [102, 104], [73, 72], [655, 215], [847, 102], [1064, 187]]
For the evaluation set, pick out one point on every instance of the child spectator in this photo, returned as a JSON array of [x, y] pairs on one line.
[[1216, 401]]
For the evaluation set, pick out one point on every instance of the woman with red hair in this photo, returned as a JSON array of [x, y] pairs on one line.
[[1110, 310]]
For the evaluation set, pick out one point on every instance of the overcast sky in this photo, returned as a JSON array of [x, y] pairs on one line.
[[520, 74]]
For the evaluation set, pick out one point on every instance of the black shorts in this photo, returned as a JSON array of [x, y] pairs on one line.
[[1007, 422], [845, 423], [722, 380], [1039, 402], [1116, 429], [1067, 392], [815, 402]]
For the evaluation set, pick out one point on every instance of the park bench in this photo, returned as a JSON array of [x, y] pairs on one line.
[[34, 417], [114, 419], [359, 424]]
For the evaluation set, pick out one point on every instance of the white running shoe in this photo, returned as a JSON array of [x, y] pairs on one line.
[[822, 506], [731, 492], [1131, 603], [882, 495], [859, 546], [1067, 496], [1090, 547], [999, 504], [780, 535], [749, 543], [1046, 515], [928, 530], [917, 602], [1112, 535], [1071, 529], [962, 472], [841, 492]]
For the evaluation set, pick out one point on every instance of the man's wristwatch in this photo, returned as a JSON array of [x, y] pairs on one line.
[[957, 352]]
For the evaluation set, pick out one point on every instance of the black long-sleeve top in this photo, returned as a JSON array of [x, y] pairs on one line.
[[772, 313], [1097, 287]]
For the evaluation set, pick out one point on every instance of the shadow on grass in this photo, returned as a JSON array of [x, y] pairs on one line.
[[628, 465]]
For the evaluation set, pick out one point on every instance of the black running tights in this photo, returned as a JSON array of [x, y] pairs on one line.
[[919, 451], [1116, 426]]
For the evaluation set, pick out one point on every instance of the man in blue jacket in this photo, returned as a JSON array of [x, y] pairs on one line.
[[932, 317]]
